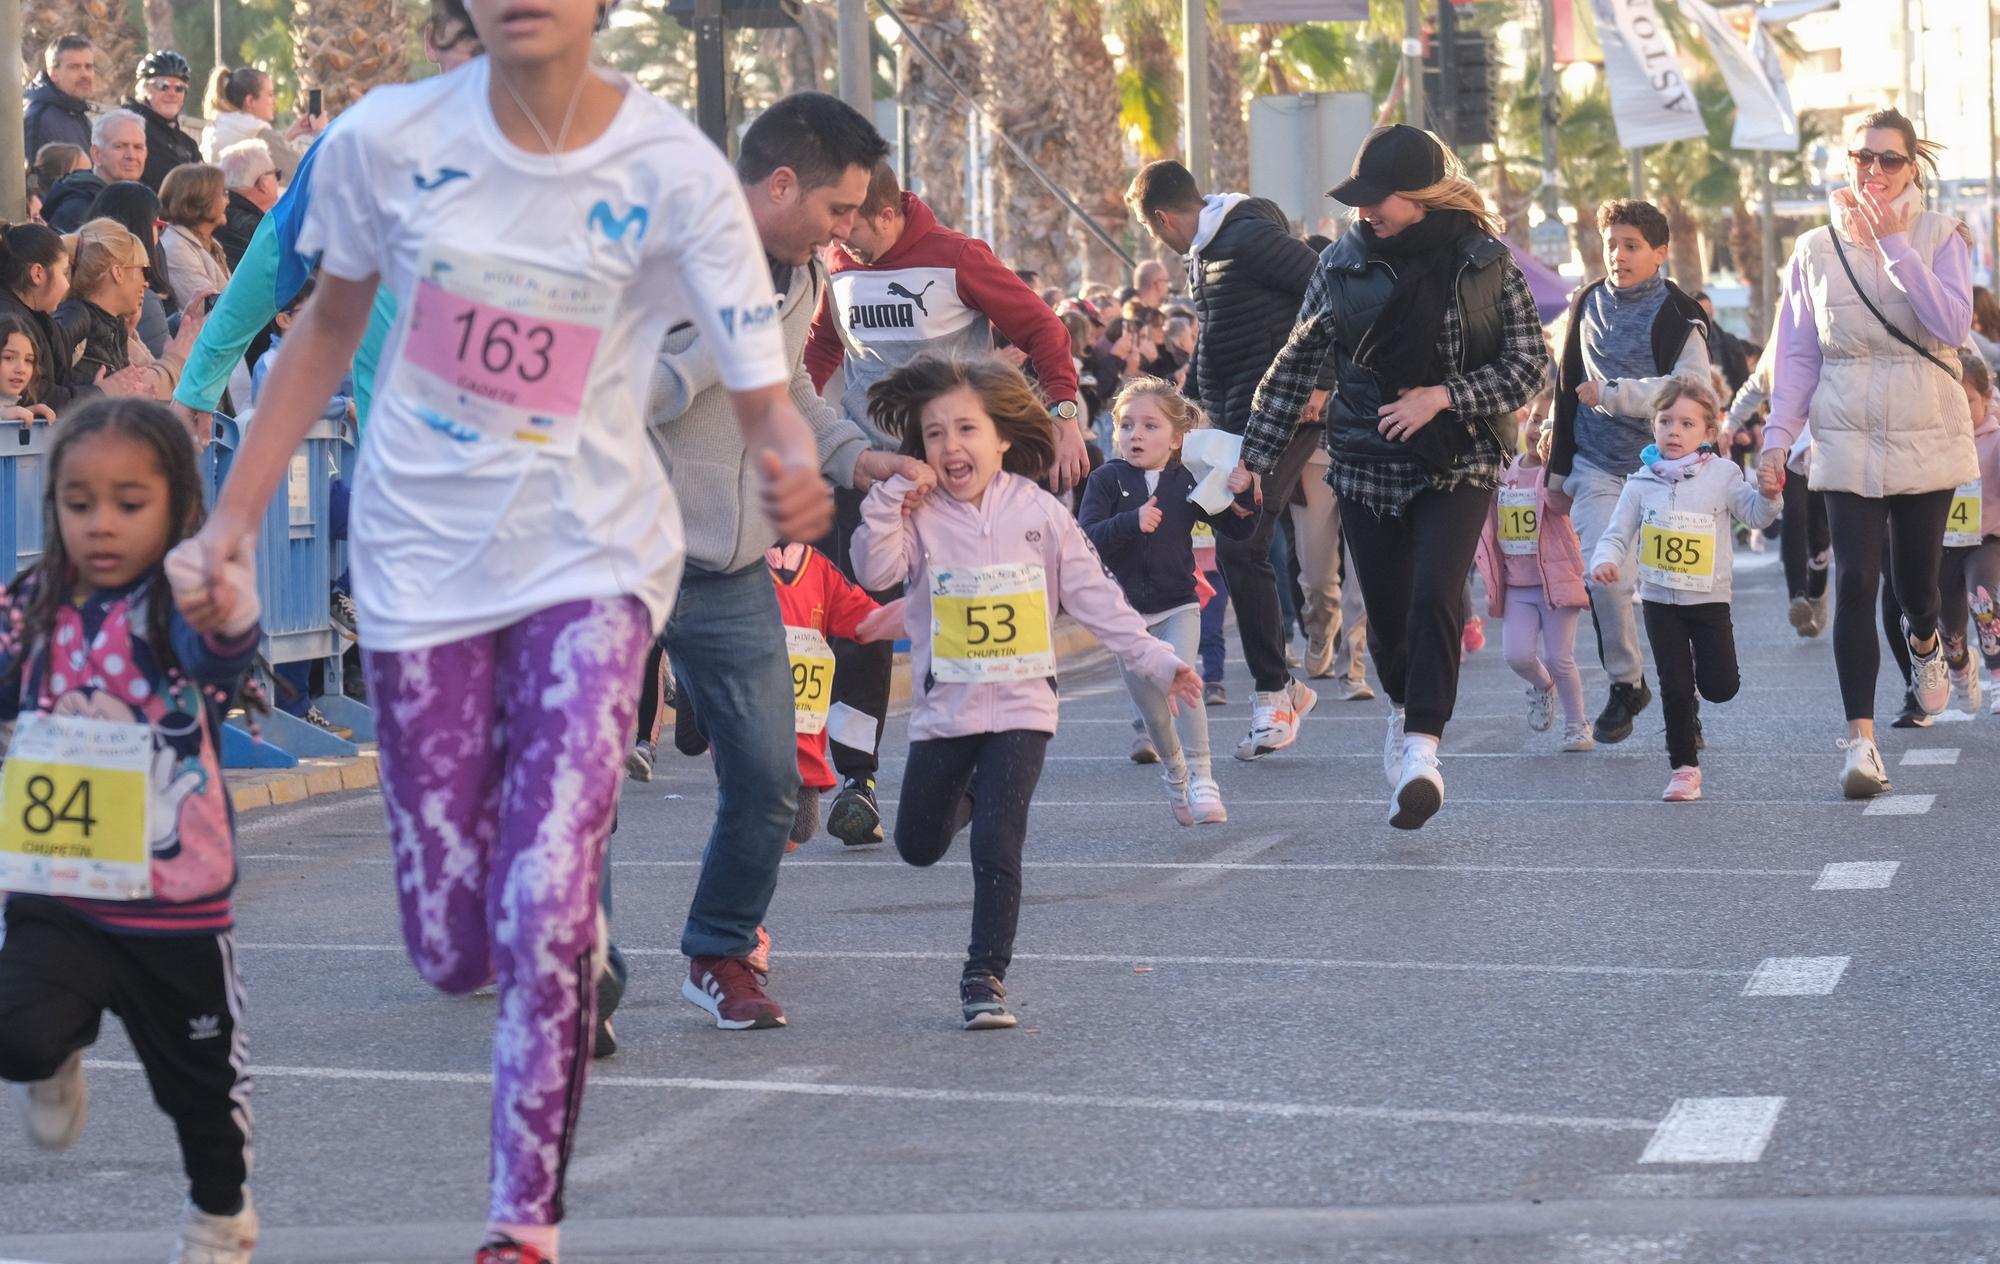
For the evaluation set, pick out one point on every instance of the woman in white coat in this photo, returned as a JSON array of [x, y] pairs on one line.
[[1875, 307]]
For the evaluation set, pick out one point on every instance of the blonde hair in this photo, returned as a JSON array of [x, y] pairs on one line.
[[1702, 397], [99, 246], [1182, 413], [1457, 193]]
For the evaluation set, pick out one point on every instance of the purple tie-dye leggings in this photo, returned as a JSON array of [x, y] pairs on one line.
[[501, 759]]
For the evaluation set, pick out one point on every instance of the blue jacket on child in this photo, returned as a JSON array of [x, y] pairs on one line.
[[1155, 569]]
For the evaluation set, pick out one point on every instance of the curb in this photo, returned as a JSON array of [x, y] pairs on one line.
[[250, 790]]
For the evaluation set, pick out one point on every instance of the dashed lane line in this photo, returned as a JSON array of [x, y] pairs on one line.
[[1796, 976], [1714, 1130], [1857, 875], [1899, 805], [1929, 756]]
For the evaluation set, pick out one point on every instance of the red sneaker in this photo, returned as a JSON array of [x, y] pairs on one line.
[[732, 993], [1474, 636], [504, 1250]]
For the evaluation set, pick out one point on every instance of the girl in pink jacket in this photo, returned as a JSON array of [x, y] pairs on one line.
[[1970, 578], [989, 558], [1532, 565]]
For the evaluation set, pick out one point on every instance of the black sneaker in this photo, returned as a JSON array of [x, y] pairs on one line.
[[982, 1002], [1615, 723], [341, 613], [805, 821], [689, 740], [1913, 716], [609, 992], [853, 817]]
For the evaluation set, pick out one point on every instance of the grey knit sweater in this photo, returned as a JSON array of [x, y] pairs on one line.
[[693, 428]]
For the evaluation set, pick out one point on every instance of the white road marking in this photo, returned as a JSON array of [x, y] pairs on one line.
[[1714, 1130], [1272, 867], [1226, 858], [1953, 717], [1598, 756], [1899, 805], [958, 1096], [1857, 875], [1796, 976], [784, 953], [1459, 801], [1929, 756]]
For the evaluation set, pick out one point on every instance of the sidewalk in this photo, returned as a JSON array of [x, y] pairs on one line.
[[252, 789]]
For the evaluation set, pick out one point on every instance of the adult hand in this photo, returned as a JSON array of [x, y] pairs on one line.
[[1150, 514], [876, 466], [796, 499], [193, 317], [130, 382], [1012, 357], [200, 425], [1072, 459], [1884, 218], [210, 580], [1412, 411], [1771, 472], [1315, 408], [1185, 689], [1240, 480], [1556, 501], [1607, 573], [1589, 394]]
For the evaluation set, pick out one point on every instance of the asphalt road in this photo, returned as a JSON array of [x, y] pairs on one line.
[[1565, 1022]]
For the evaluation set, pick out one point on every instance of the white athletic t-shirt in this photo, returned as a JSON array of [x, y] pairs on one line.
[[511, 271]]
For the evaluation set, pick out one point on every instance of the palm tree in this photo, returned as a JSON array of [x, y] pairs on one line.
[[345, 47], [1025, 94], [108, 24], [1096, 172], [937, 114], [1228, 128], [1149, 85], [159, 15]]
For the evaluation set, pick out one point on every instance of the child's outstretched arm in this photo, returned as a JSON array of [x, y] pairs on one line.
[[1616, 543], [849, 610], [1748, 504], [885, 550]]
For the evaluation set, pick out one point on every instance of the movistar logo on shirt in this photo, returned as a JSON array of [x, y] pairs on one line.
[[737, 320], [615, 226]]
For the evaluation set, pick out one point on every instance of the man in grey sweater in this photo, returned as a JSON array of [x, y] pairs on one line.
[[804, 164]]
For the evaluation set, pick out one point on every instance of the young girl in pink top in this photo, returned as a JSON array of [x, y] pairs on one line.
[[1532, 564], [990, 558]]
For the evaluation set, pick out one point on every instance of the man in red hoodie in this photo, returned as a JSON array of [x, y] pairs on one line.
[[904, 286]]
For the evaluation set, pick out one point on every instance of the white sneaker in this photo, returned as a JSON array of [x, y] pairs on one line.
[[52, 1110], [1354, 691], [1419, 790], [1205, 801], [1177, 798], [1541, 709], [1993, 692], [207, 1239], [1319, 658], [1863, 777], [1578, 738], [1274, 720], [1930, 677], [1966, 688], [1392, 747]]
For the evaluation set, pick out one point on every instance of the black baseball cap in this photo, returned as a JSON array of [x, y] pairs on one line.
[[1394, 159]]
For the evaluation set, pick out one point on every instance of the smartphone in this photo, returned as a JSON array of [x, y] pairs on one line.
[[208, 303], [312, 102]]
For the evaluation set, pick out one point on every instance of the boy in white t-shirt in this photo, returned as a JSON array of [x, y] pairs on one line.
[[515, 543]]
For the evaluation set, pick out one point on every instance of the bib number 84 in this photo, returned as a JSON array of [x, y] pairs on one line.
[[41, 816]]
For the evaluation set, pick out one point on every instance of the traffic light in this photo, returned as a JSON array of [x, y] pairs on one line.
[[1459, 80]]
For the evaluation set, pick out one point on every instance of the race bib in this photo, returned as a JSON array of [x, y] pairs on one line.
[[1518, 521], [1677, 550], [501, 350], [812, 678], [73, 809], [990, 623], [1963, 529], [1204, 535]]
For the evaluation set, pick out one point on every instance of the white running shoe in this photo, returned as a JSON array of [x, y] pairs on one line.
[[1578, 738], [1967, 688], [207, 1239], [1541, 709], [1177, 798], [1205, 801], [1274, 720], [1419, 790], [1930, 677], [1863, 777], [1993, 691], [52, 1110], [1354, 691], [1319, 657], [1392, 747]]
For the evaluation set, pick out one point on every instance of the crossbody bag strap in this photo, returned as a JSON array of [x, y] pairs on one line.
[[1876, 312]]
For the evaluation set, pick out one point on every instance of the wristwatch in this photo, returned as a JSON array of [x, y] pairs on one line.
[[1065, 409]]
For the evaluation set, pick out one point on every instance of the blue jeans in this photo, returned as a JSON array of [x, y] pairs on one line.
[[727, 645]]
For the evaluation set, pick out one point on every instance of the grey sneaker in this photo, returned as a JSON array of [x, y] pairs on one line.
[[639, 761], [1213, 694], [1930, 677], [52, 1110], [982, 1003], [1541, 709], [1354, 691]]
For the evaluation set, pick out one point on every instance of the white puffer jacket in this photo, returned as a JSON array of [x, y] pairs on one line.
[[1884, 421]]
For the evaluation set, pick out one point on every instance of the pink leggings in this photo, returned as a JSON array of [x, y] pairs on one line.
[[1528, 617], [502, 756]]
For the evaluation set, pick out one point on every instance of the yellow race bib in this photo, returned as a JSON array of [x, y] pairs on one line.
[[1677, 550], [1963, 528], [1519, 521], [990, 623], [812, 678], [73, 809]]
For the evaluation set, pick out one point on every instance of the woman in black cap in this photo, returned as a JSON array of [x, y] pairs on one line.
[[1432, 337]]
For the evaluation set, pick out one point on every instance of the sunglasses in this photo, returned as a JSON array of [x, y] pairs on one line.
[[1891, 162], [168, 85]]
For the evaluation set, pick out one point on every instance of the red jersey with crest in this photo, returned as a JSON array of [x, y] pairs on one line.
[[812, 593]]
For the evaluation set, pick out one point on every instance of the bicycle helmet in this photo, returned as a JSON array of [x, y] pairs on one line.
[[165, 63]]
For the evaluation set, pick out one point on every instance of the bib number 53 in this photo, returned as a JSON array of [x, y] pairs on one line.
[[990, 623]]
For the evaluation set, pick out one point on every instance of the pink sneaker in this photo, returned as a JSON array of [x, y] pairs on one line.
[[760, 956], [1683, 787], [1474, 638]]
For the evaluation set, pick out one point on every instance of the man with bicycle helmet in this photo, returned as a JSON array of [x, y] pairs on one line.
[[159, 98]]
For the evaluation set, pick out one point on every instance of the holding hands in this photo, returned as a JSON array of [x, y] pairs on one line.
[[1606, 573]]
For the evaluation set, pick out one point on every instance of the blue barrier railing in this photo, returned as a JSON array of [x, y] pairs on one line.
[[24, 456]]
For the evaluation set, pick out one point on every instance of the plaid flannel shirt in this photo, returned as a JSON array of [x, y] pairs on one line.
[[1493, 389]]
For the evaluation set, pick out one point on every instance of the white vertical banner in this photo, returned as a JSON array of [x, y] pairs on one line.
[[1762, 121], [1651, 101], [1764, 51]]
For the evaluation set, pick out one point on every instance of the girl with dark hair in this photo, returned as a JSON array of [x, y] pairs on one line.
[[19, 367], [1876, 306], [102, 642], [138, 209], [34, 281], [990, 558]]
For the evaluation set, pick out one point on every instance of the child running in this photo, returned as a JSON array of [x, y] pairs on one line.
[[1137, 512], [1972, 550], [816, 601], [516, 546], [1532, 565], [1678, 506], [990, 558], [116, 686]]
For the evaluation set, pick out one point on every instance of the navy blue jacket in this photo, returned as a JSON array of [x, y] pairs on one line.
[[1155, 569]]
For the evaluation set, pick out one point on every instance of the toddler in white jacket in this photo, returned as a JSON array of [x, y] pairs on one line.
[[1678, 508]]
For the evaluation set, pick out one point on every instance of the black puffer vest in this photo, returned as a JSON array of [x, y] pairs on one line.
[[1361, 285]]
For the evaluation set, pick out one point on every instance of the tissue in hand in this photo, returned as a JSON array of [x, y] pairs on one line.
[[1210, 455]]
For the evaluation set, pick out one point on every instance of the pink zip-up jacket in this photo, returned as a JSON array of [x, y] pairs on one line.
[[1015, 522], [1558, 553]]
